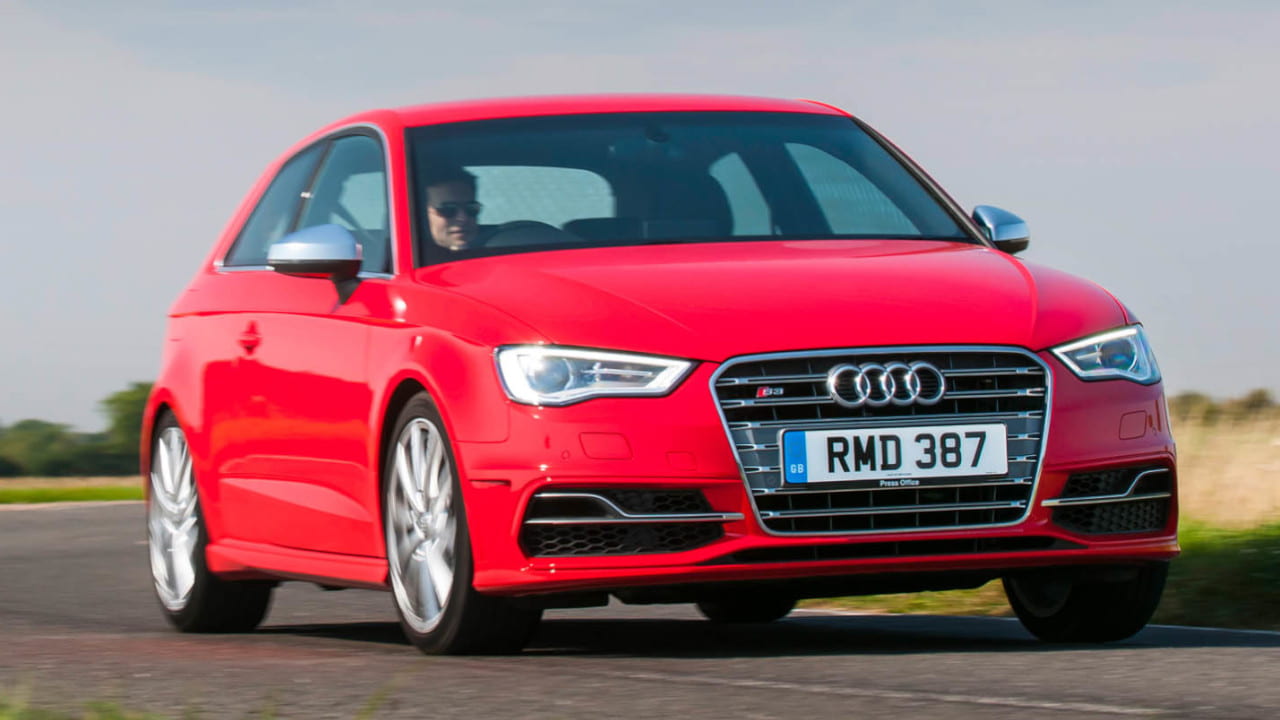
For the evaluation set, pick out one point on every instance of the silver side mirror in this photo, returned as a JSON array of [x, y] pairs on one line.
[[329, 250], [1007, 231]]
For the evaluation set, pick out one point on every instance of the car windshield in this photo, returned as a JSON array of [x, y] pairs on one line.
[[543, 183]]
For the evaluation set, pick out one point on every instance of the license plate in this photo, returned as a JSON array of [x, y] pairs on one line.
[[902, 454]]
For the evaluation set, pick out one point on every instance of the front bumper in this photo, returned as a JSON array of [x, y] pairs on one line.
[[678, 442]]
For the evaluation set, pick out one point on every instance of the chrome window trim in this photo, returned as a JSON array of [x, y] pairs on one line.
[[365, 275], [219, 264], [881, 349]]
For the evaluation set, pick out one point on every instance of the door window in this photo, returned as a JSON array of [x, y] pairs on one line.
[[351, 190], [274, 214]]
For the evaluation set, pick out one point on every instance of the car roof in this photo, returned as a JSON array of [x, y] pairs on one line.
[[493, 108]]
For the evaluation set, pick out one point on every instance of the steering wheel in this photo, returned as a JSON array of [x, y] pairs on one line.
[[524, 232]]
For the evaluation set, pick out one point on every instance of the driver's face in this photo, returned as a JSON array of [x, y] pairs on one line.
[[458, 231]]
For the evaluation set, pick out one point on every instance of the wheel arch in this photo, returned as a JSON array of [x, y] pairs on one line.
[[404, 391], [160, 404]]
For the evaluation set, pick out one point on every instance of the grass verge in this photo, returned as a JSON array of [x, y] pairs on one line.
[[19, 710], [9, 495], [1224, 578]]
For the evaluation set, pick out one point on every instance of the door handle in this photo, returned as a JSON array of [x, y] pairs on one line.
[[250, 339]]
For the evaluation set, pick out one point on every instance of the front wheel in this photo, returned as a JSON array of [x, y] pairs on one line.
[[429, 547], [1057, 607], [192, 598]]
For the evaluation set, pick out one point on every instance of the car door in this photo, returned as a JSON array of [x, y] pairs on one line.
[[304, 401], [225, 336]]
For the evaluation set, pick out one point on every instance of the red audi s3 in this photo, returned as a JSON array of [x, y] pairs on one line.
[[508, 355]]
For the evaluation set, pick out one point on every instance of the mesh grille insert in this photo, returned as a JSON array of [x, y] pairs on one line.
[[582, 524], [636, 539], [1115, 482], [1116, 517]]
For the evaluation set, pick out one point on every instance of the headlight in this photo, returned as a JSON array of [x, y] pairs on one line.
[[550, 375], [1122, 353]]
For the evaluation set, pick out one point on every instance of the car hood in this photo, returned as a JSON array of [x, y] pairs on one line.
[[712, 301]]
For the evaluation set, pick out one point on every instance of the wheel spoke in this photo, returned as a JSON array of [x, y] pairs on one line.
[[448, 535], [406, 547], [405, 478], [183, 572], [428, 600], [440, 570], [417, 454], [160, 496], [436, 464], [186, 489], [159, 557], [187, 529], [177, 444], [160, 467]]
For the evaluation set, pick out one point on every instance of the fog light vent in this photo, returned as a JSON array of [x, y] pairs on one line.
[[565, 522]]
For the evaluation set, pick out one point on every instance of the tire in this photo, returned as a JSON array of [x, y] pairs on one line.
[[192, 598], [429, 549], [746, 608], [1057, 608]]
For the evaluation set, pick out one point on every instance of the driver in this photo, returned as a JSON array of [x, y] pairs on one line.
[[452, 208]]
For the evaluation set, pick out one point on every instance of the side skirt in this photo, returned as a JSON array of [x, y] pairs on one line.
[[239, 559]]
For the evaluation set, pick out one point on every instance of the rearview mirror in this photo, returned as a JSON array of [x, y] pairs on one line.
[[1004, 229]]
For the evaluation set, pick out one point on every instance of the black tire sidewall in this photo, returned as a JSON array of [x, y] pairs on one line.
[[747, 609], [1098, 611]]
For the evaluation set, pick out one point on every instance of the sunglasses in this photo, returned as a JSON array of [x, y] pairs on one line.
[[448, 210]]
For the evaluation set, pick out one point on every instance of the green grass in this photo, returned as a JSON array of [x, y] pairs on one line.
[[986, 600], [67, 494], [18, 710], [1224, 578]]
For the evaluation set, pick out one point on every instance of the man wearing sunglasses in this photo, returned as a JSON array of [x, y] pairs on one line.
[[452, 208]]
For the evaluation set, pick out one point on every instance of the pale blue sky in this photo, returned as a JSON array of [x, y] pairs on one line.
[[1138, 139]]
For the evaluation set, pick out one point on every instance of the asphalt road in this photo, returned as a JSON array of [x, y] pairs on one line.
[[78, 623]]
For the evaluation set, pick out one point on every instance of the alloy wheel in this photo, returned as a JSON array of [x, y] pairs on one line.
[[172, 520], [421, 525]]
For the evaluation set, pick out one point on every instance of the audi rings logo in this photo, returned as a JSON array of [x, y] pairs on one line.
[[894, 383]]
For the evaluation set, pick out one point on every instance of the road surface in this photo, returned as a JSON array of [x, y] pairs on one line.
[[78, 623]]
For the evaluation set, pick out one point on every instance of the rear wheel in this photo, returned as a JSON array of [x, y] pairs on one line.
[[429, 548], [192, 598], [746, 608], [1056, 607]]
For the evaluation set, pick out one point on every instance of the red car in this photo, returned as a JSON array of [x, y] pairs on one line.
[[508, 355]]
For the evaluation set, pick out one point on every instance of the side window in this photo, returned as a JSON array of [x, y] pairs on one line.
[[553, 195], [272, 218], [751, 214], [851, 202], [351, 191]]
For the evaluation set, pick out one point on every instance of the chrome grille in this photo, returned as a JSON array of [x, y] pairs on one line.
[[982, 385]]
